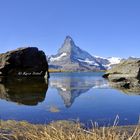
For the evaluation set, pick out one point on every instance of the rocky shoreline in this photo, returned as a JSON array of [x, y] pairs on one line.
[[125, 75]]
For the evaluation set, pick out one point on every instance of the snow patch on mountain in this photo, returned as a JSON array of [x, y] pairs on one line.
[[58, 58], [114, 60], [89, 62], [96, 56]]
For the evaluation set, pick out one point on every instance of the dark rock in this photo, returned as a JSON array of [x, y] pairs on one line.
[[106, 75], [27, 61], [125, 75]]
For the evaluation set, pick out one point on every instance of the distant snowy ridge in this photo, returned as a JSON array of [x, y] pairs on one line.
[[109, 61], [114, 60], [88, 61]]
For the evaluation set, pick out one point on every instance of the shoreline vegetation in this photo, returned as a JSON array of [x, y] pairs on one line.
[[57, 71], [65, 130]]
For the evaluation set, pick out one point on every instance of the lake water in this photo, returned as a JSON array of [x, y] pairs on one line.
[[67, 96]]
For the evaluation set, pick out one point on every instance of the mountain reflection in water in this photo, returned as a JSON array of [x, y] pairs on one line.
[[71, 87], [26, 91]]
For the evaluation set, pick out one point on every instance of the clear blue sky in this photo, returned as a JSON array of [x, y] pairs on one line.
[[102, 27]]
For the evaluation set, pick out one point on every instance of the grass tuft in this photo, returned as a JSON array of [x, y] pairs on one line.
[[65, 130]]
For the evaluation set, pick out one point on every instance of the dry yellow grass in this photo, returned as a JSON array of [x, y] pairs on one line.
[[64, 130], [67, 71]]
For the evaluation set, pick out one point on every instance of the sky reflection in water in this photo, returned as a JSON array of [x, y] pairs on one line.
[[68, 96]]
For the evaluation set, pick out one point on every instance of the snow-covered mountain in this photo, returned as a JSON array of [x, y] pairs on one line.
[[108, 62], [71, 58]]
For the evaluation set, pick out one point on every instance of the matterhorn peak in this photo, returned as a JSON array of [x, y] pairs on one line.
[[68, 37], [68, 45]]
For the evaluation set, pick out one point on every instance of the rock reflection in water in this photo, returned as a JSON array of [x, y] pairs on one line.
[[26, 91], [127, 91], [70, 88]]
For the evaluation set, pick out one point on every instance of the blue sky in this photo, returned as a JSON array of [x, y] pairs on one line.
[[102, 27]]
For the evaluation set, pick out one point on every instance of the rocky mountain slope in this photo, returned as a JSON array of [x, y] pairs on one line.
[[71, 58]]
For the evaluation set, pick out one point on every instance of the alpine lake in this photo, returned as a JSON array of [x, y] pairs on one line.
[[83, 96]]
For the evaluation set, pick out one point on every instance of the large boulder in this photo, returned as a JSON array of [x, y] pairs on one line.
[[27, 61], [125, 75]]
